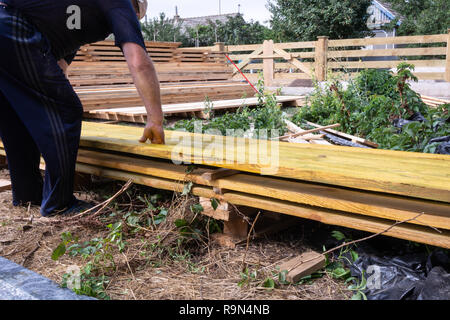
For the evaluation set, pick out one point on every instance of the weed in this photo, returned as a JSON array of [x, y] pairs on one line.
[[337, 268], [247, 278]]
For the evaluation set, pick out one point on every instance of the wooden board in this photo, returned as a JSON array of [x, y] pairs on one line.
[[424, 176], [303, 265], [371, 204], [139, 114], [5, 185]]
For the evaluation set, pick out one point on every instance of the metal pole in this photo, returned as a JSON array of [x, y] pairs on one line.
[[220, 7]]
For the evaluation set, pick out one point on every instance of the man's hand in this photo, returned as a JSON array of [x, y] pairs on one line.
[[154, 133]]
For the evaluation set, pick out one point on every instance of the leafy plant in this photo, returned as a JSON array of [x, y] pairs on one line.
[[247, 278], [100, 255], [268, 115], [90, 284], [357, 287], [372, 104], [62, 247]]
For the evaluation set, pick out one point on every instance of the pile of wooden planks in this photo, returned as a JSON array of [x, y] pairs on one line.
[[97, 98], [82, 74], [108, 51], [434, 102], [364, 189], [160, 52], [102, 79], [139, 114], [303, 138], [103, 63]]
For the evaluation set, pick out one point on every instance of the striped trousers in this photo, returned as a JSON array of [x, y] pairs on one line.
[[40, 115]]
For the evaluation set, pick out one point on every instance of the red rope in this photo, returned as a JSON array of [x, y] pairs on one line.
[[256, 90]]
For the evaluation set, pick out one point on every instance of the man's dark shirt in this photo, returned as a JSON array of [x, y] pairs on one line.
[[99, 18]]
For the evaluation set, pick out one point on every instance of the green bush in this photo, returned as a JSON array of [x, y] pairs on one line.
[[268, 115], [370, 104]]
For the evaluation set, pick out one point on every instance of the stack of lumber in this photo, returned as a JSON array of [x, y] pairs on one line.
[[107, 51], [97, 98], [83, 74], [103, 63], [139, 114], [304, 138], [364, 189], [163, 52], [434, 102], [102, 79]]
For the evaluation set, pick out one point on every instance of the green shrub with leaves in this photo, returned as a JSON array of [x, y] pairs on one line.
[[268, 115], [369, 106]]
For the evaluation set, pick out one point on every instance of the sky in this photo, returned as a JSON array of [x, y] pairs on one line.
[[252, 9]]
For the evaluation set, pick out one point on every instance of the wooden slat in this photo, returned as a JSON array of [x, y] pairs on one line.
[[387, 52], [128, 113], [384, 64], [439, 38]]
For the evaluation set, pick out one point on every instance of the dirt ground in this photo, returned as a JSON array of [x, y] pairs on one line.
[[192, 271]]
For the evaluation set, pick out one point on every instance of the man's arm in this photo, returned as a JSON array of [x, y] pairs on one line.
[[147, 84], [63, 65], [64, 62]]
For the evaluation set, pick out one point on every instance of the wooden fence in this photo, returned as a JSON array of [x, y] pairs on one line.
[[301, 60], [316, 59]]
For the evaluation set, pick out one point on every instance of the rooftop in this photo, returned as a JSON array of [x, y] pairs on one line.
[[204, 20]]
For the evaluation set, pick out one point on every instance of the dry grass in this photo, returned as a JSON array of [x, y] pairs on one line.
[[155, 265]]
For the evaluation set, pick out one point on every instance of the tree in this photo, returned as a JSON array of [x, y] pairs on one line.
[[305, 20], [234, 32], [237, 31], [421, 16], [162, 29]]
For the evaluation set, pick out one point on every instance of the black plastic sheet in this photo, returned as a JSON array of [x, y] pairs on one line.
[[411, 276], [444, 144]]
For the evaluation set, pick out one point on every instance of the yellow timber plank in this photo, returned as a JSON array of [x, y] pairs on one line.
[[377, 205], [404, 173], [407, 232]]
